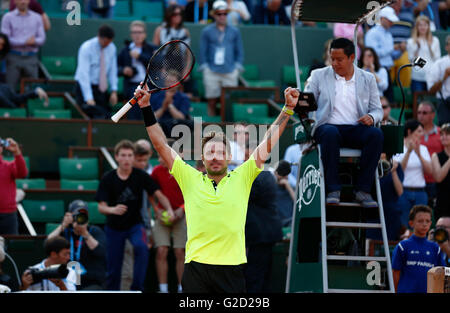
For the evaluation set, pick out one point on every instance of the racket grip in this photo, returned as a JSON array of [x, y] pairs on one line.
[[119, 114]]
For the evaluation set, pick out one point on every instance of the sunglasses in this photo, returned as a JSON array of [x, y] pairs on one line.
[[221, 14]]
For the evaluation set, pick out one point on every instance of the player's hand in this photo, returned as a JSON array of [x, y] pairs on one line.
[[366, 120], [143, 95], [119, 209], [291, 96]]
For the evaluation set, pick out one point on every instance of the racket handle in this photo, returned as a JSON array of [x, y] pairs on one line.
[[116, 117]]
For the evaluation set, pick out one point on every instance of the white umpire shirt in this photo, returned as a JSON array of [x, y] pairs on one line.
[[344, 110]]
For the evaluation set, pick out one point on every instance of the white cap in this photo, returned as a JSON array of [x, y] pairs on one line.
[[220, 5], [388, 13]]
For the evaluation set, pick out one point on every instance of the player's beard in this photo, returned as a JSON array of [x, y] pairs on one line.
[[216, 173]]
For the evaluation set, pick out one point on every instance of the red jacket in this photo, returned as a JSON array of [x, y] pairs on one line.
[[9, 171]]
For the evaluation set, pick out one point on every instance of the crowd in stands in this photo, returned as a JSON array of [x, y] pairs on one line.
[[414, 191]]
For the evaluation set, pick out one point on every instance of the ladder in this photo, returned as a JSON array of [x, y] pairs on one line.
[[353, 153]]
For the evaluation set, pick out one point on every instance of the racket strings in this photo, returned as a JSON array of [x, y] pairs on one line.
[[170, 65]]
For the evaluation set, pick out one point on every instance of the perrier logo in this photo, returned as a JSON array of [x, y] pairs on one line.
[[309, 183]]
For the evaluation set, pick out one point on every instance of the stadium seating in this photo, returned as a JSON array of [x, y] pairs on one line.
[[65, 114], [31, 183], [69, 184], [398, 95], [242, 112], [198, 109], [288, 75], [60, 67], [251, 75], [20, 112], [78, 168], [95, 217], [148, 11], [44, 211], [122, 10], [54, 103], [49, 227]]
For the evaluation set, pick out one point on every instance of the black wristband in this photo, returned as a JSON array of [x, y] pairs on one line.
[[149, 116]]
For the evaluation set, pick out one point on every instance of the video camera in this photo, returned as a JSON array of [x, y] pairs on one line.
[[440, 235], [58, 271], [4, 143]]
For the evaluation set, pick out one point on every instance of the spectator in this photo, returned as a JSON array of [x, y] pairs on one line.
[[441, 167], [101, 9], [96, 66], [415, 162], [221, 55], [9, 172], [4, 49], [181, 3], [387, 118], [166, 229], [271, 12], [197, 11], [439, 84], [141, 161], [262, 230], [172, 108], [172, 28], [401, 32], [87, 245], [442, 222], [120, 199], [430, 139], [132, 63], [431, 10], [5, 279], [369, 62], [292, 155], [285, 195], [34, 6], [326, 60], [422, 43], [348, 109], [57, 250], [237, 145], [345, 30], [239, 13], [413, 257], [26, 34], [10, 99], [380, 39]]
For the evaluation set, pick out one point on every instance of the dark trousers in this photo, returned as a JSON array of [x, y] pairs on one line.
[[259, 266], [9, 224], [366, 138], [115, 243], [101, 109], [207, 278], [389, 92]]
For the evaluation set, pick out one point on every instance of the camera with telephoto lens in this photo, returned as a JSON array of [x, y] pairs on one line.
[[4, 143], [440, 235], [58, 271], [81, 217]]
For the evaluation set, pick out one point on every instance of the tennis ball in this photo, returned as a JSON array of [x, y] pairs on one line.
[[165, 218]]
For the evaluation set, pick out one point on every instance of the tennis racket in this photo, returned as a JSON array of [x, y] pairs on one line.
[[169, 66]]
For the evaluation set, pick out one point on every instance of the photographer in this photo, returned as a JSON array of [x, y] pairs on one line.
[[57, 250], [9, 172], [87, 245], [441, 235]]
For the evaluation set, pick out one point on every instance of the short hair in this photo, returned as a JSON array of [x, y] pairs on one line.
[[445, 128], [216, 137], [142, 147], [106, 31], [417, 209], [411, 125], [55, 244], [376, 60], [343, 43], [140, 24], [170, 10], [124, 144], [428, 103]]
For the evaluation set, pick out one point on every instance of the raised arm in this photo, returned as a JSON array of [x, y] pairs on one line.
[[275, 130], [154, 131]]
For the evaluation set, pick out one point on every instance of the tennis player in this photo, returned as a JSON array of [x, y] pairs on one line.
[[215, 202]]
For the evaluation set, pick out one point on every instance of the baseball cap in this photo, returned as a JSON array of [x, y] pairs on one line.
[[220, 5], [388, 13], [77, 205]]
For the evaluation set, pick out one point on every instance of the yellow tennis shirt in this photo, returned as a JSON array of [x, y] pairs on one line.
[[215, 217]]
